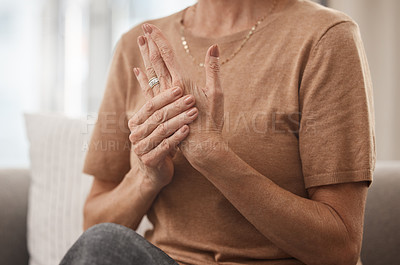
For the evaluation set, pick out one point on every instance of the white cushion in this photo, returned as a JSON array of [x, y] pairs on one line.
[[58, 187]]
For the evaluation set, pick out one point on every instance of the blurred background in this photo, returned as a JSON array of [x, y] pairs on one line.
[[54, 56]]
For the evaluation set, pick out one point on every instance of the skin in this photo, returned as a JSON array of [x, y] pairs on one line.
[[325, 228]]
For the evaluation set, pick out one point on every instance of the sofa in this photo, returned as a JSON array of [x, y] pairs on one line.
[[381, 242]]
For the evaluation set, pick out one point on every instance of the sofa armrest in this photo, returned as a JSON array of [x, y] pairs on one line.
[[14, 186], [382, 216]]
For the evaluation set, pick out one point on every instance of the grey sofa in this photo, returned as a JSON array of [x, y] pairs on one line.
[[381, 244]]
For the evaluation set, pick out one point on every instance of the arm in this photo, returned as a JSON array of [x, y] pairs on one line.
[[153, 139], [156, 130], [325, 229], [124, 203]]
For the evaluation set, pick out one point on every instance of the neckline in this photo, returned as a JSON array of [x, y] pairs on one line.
[[237, 36]]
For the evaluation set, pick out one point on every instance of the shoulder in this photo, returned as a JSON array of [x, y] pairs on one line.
[[314, 22]]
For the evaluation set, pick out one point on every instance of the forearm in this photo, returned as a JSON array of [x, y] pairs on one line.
[[126, 204], [306, 229]]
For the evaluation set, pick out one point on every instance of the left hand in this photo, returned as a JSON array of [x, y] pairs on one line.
[[206, 130]]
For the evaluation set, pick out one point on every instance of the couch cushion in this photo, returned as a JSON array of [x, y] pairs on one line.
[[58, 186], [382, 216], [14, 185]]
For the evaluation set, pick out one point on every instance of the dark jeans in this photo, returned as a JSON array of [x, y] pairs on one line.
[[111, 244]]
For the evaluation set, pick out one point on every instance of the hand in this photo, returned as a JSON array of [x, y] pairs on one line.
[[206, 131], [158, 127]]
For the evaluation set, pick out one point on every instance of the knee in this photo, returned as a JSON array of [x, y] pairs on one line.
[[109, 232], [105, 228], [106, 241]]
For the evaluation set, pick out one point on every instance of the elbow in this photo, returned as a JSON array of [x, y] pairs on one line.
[[350, 254], [347, 254], [88, 215]]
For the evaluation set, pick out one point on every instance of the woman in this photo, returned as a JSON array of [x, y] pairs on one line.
[[262, 154]]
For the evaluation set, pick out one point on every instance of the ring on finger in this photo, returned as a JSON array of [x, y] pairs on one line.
[[153, 81]]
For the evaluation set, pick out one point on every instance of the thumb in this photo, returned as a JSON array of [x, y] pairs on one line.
[[212, 68]]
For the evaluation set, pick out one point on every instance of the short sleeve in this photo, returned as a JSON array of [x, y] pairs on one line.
[[337, 135], [108, 153]]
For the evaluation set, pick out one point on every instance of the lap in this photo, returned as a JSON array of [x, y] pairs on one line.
[[109, 243]]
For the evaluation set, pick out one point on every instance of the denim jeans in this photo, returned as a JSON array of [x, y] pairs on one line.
[[113, 244]]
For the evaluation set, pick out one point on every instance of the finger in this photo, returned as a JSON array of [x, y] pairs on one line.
[[212, 68], [158, 154], [160, 116], [157, 62], [144, 84], [166, 50], [144, 51], [154, 105], [164, 130]]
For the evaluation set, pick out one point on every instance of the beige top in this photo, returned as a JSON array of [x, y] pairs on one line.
[[299, 109]]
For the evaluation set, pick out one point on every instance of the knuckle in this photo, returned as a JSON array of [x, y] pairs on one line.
[[147, 160], [149, 106], [148, 90], [167, 53], [134, 121], [135, 135], [166, 96], [146, 130], [162, 77], [165, 145], [156, 36], [162, 129], [155, 57], [137, 149], [132, 138], [150, 71], [177, 106], [214, 67], [142, 147], [158, 116], [131, 123]]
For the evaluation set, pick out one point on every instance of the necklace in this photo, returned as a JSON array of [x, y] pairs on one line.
[[245, 40]]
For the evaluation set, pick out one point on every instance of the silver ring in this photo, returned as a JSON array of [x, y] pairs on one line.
[[153, 81]]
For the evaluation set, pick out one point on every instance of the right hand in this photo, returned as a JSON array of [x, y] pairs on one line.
[[157, 129]]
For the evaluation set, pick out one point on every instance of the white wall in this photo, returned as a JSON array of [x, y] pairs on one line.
[[54, 56], [19, 75]]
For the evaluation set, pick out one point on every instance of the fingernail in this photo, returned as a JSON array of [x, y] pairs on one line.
[[192, 112], [136, 71], [142, 40], [176, 91], [188, 100], [214, 52], [147, 28], [184, 129]]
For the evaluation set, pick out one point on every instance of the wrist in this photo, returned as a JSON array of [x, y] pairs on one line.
[[210, 151], [146, 188]]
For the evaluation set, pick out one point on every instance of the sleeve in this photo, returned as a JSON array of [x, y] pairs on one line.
[[108, 152], [337, 127]]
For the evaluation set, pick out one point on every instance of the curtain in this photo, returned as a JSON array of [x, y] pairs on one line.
[[78, 40]]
